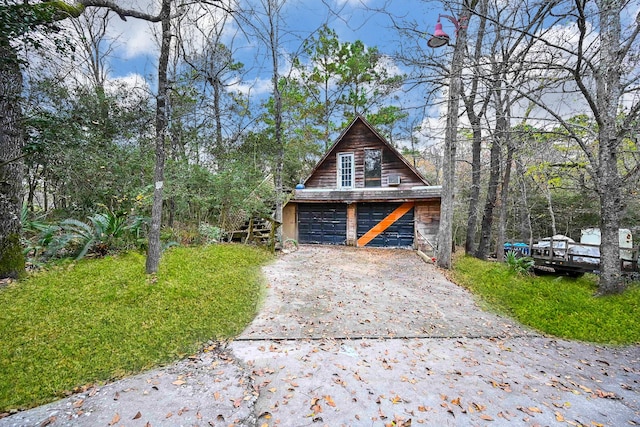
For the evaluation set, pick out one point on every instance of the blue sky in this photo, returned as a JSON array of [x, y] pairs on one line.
[[367, 20], [135, 56], [351, 19]]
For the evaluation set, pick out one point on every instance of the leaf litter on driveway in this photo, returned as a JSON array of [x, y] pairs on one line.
[[363, 337]]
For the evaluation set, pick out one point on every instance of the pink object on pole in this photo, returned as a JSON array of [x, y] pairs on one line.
[[440, 38], [439, 32]]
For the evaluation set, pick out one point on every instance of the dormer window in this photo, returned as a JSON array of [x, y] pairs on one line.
[[346, 170]]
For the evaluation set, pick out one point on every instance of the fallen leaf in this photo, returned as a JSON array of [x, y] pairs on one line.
[[216, 395], [559, 417], [531, 410], [330, 401], [115, 419], [479, 407], [52, 419], [78, 403], [605, 394], [486, 417], [179, 382], [169, 415]]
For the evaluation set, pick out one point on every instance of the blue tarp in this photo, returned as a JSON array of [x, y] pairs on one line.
[[523, 248]]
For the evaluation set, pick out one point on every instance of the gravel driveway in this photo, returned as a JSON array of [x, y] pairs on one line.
[[363, 337]]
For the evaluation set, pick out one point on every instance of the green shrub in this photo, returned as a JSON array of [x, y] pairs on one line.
[[210, 233], [103, 233], [519, 264]]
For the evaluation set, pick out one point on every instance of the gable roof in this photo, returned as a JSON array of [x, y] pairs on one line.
[[361, 119]]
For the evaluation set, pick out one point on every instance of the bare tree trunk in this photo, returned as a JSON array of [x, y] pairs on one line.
[[525, 226], [217, 113], [155, 249], [552, 214], [474, 197], [490, 202], [11, 164], [500, 135], [445, 231], [504, 200], [608, 92], [474, 119], [273, 12], [45, 196]]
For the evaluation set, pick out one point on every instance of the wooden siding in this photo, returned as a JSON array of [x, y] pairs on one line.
[[356, 140], [427, 218]]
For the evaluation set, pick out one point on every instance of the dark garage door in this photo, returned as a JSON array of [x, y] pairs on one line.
[[399, 234], [322, 223]]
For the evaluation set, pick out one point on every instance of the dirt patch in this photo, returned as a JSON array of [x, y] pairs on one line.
[[338, 292]]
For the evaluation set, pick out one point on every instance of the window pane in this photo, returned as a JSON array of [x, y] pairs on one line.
[[372, 168], [346, 170]]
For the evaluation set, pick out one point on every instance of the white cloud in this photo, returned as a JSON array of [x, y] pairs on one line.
[[135, 37], [352, 3], [257, 87], [131, 81]]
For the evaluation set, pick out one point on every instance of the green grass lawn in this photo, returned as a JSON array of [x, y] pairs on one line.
[[99, 320], [558, 306]]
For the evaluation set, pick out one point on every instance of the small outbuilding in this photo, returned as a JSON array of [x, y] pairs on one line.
[[363, 192]]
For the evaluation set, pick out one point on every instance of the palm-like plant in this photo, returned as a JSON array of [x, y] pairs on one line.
[[102, 233], [38, 235], [518, 263]]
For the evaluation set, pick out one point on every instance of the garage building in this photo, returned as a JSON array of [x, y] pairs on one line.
[[363, 192]]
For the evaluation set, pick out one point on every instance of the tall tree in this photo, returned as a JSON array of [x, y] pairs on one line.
[[266, 22], [475, 109], [344, 79], [445, 231], [154, 248], [321, 80], [603, 65], [11, 164], [20, 20], [213, 71], [366, 78]]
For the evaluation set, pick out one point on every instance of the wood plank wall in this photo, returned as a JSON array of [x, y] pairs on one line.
[[356, 141], [427, 219]]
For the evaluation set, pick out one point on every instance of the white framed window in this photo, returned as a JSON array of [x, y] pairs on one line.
[[346, 170]]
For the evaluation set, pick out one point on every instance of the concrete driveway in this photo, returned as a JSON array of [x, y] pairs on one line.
[[363, 337]]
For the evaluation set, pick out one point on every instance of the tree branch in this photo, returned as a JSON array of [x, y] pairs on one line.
[[122, 12]]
